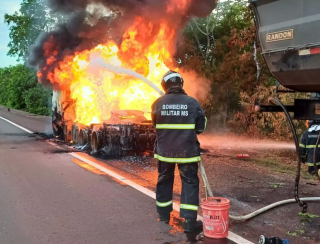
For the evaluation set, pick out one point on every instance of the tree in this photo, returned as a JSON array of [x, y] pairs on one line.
[[223, 48], [19, 89], [208, 50], [37, 100], [205, 31], [4, 81], [25, 26]]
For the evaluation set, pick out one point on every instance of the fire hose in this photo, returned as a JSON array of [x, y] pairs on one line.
[[257, 212], [301, 201], [315, 158], [296, 141]]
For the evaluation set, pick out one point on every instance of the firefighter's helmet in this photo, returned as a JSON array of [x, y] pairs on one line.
[[313, 122], [171, 79]]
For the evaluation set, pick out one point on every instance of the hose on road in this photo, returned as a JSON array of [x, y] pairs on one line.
[[257, 212], [273, 205], [315, 160], [303, 205]]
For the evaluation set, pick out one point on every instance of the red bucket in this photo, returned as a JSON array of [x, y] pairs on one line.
[[215, 213]]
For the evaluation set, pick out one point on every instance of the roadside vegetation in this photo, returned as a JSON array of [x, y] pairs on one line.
[[222, 48], [281, 165], [20, 89]]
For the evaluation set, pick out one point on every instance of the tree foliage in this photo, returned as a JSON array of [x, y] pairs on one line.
[[20, 89], [223, 47], [26, 25]]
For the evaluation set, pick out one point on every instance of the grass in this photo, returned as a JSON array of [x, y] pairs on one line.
[[307, 217], [276, 185], [280, 166], [291, 233], [301, 231], [295, 233]]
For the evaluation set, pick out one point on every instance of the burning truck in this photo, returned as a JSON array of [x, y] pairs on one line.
[[126, 131], [89, 58]]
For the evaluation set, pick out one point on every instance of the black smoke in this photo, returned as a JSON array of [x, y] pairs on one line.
[[82, 30], [199, 8]]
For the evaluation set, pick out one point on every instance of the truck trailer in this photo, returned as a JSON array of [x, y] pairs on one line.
[[290, 44]]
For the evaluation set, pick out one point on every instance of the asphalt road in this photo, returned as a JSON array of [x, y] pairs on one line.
[[37, 124], [46, 198], [50, 197]]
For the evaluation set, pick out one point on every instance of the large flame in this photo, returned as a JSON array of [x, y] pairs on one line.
[[99, 92]]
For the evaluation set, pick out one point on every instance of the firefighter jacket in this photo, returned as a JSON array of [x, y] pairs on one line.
[[307, 145], [178, 119]]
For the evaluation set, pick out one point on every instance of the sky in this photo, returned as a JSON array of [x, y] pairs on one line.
[[7, 6]]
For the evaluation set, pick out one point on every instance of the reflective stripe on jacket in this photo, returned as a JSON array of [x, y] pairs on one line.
[[307, 145], [178, 119]]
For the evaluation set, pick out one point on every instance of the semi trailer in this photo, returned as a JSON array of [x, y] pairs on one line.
[[290, 43]]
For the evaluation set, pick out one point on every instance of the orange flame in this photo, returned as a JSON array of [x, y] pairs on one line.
[[97, 93]]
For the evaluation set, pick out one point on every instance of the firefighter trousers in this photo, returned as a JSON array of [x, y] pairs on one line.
[[189, 200]]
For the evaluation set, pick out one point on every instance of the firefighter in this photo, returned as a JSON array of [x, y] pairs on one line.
[[307, 145], [178, 119]]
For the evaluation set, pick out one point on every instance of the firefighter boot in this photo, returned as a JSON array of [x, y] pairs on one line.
[[164, 217], [191, 225]]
